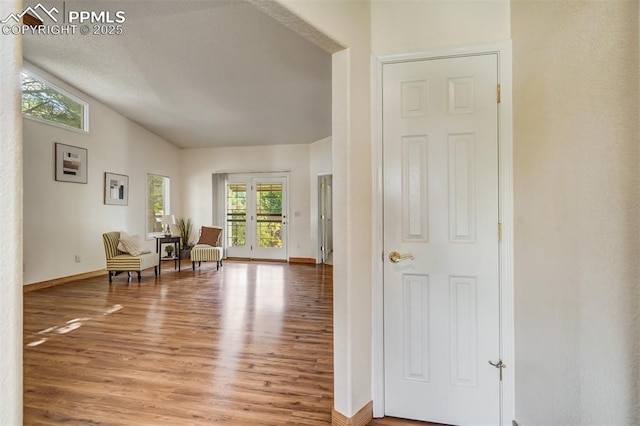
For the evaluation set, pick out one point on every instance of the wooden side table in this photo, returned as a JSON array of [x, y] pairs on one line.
[[176, 257]]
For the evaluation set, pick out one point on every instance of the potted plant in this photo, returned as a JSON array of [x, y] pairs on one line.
[[185, 227], [169, 250]]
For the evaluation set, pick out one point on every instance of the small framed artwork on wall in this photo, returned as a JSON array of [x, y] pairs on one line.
[[116, 189], [71, 163]]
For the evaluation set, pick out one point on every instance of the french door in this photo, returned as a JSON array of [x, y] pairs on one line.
[[256, 217]]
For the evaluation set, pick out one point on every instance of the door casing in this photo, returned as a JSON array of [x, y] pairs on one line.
[[505, 214]]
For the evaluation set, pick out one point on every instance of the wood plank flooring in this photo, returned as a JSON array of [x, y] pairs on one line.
[[250, 344]]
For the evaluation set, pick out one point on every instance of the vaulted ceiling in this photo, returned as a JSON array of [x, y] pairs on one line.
[[197, 73]]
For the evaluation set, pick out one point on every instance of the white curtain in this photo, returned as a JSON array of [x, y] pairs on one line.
[[219, 203]]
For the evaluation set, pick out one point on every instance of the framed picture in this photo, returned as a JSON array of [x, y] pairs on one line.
[[71, 163], [116, 189]]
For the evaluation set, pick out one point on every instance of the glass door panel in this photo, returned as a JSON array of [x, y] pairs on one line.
[[270, 218], [236, 232], [269, 215]]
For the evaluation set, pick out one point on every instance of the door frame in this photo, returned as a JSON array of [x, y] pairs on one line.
[[503, 50]]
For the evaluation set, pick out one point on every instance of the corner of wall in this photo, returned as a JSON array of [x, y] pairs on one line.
[[11, 226]]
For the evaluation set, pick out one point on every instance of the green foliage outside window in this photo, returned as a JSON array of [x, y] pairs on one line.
[[45, 102], [157, 201], [268, 215]]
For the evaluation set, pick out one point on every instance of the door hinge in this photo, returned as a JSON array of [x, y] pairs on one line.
[[499, 232], [498, 95]]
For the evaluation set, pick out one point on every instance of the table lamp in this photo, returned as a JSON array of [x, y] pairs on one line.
[[167, 221]]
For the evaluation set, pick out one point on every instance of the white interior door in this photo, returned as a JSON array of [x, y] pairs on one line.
[[256, 217], [441, 308]]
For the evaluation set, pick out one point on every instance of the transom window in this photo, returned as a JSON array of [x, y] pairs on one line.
[[45, 102]]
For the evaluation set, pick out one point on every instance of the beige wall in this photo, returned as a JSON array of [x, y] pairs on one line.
[[402, 26], [576, 202], [67, 219], [10, 226]]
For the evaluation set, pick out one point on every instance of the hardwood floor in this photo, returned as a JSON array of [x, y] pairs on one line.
[[250, 344]]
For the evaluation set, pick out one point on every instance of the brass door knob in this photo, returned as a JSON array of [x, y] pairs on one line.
[[396, 257]]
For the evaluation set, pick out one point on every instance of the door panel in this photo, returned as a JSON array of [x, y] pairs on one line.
[[269, 218], [441, 309], [237, 220], [269, 215]]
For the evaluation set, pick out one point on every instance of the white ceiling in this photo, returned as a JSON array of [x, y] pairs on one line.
[[198, 73]]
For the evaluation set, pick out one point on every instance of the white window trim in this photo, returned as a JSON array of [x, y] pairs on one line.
[[166, 207], [85, 105]]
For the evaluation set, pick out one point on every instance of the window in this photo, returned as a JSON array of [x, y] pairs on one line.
[[45, 102], [157, 203]]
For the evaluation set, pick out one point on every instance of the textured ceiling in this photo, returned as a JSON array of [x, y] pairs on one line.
[[199, 73]]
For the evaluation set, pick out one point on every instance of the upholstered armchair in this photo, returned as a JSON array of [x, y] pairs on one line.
[[137, 259], [208, 248]]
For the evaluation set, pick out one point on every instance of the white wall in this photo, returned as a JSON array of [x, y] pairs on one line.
[[320, 164], [199, 164], [576, 203], [575, 72], [63, 219], [401, 26], [576, 189], [348, 22], [10, 226]]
